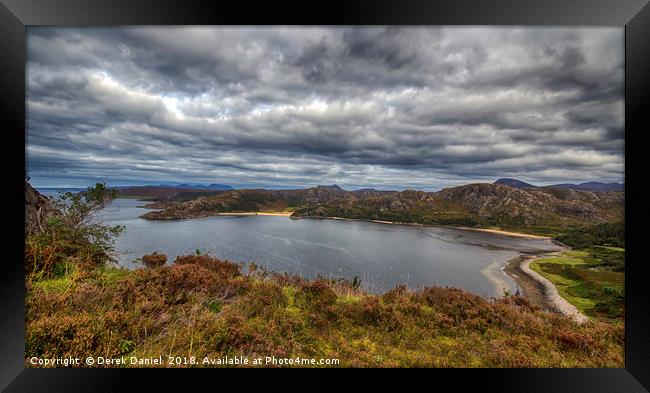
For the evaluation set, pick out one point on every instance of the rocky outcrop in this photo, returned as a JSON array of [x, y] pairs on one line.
[[37, 208]]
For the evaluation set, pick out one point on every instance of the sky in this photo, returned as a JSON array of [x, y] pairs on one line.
[[292, 107]]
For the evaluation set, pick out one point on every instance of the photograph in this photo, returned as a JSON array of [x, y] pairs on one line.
[[287, 196]]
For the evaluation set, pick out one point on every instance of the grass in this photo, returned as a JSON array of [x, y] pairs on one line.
[[203, 307], [55, 285], [591, 279], [109, 276]]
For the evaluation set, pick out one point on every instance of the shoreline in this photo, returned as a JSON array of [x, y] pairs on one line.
[[538, 289], [282, 214], [462, 228]]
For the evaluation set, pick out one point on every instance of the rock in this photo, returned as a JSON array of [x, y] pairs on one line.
[[37, 208]]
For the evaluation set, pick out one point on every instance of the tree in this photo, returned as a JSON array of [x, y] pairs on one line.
[[73, 233]]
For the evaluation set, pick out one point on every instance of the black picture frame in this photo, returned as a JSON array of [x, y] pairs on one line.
[[15, 15]]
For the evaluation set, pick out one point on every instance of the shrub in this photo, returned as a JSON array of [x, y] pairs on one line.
[[223, 269], [154, 260], [72, 233], [317, 294]]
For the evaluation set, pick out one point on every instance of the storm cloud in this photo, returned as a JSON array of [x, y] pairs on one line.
[[391, 108]]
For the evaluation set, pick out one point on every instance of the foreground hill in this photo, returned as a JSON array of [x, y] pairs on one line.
[[478, 204], [202, 307]]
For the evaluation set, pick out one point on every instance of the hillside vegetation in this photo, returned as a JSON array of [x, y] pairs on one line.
[[605, 234], [200, 306], [543, 209]]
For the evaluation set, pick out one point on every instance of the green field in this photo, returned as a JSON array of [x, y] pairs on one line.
[[592, 279]]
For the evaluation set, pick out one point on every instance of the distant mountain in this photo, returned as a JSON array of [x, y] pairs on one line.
[[333, 187], [181, 192], [215, 186], [212, 186], [592, 186], [588, 186], [514, 183]]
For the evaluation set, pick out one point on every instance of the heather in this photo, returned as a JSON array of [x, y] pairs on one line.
[[202, 306]]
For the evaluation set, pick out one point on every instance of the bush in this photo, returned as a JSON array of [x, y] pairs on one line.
[[317, 294], [72, 233], [223, 269], [154, 260]]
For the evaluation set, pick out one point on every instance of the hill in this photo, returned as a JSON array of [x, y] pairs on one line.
[[493, 204], [479, 204]]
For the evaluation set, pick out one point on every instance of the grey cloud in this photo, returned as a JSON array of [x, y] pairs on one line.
[[394, 107]]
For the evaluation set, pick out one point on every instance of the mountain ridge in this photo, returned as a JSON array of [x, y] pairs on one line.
[[587, 186], [477, 204]]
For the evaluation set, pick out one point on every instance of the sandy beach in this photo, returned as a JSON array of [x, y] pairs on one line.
[[284, 214], [506, 233], [539, 290]]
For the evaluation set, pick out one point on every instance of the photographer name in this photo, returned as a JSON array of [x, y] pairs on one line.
[[178, 361]]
